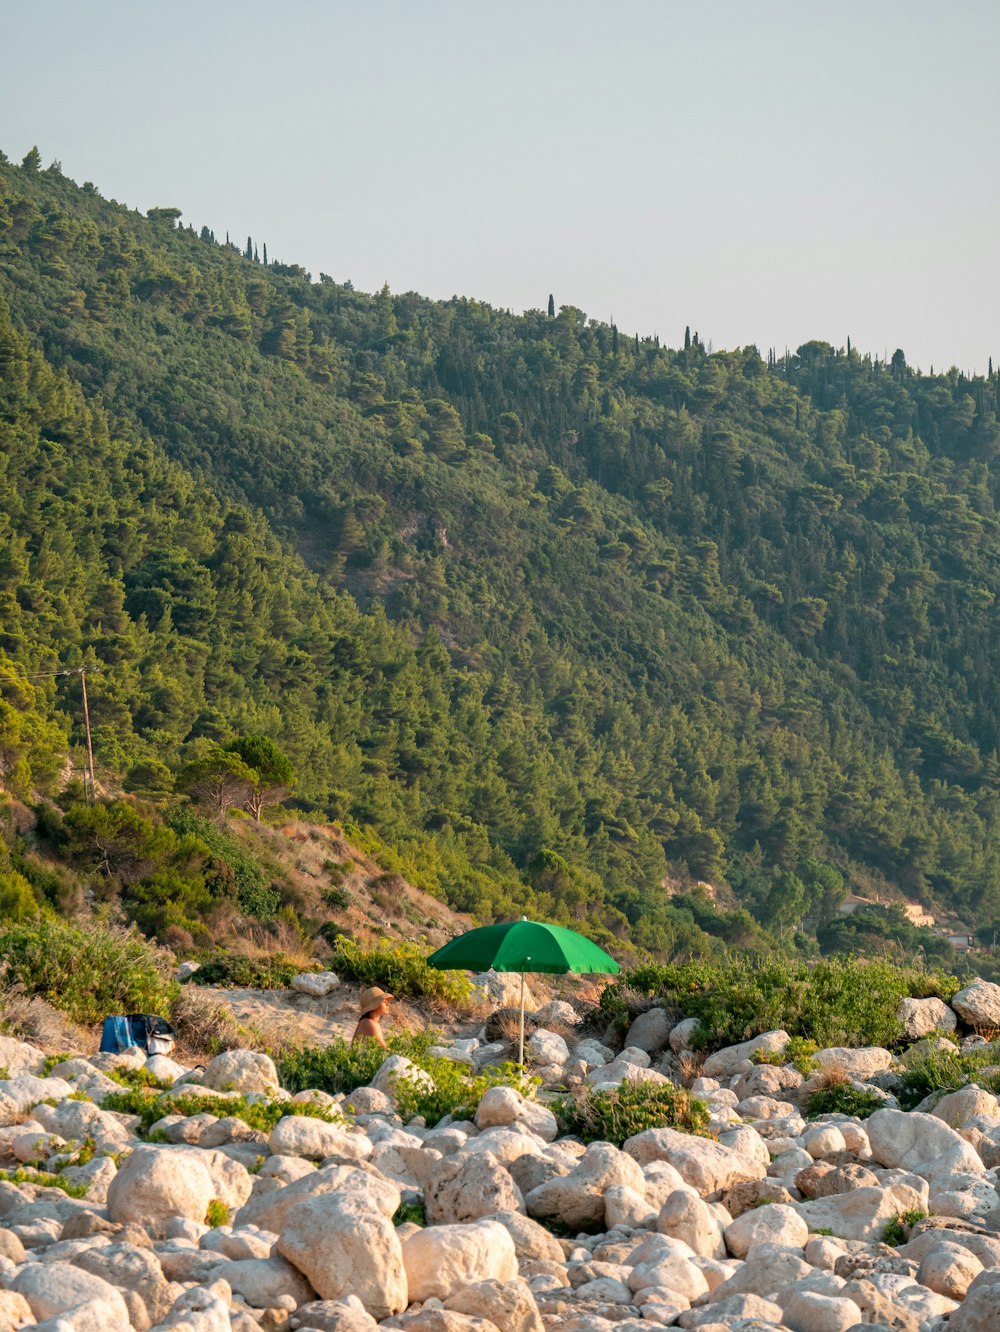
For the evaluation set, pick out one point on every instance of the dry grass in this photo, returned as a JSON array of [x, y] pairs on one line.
[[828, 1075], [206, 1025], [689, 1065], [29, 1018]]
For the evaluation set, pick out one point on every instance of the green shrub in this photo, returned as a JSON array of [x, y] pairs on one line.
[[799, 1052], [400, 968], [842, 1099], [836, 1001], [150, 1106], [237, 972], [619, 1113], [897, 1230], [947, 1070], [340, 1066], [412, 1212], [90, 972], [216, 1214], [250, 884]]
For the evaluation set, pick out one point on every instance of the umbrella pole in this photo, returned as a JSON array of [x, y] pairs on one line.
[[521, 1055]]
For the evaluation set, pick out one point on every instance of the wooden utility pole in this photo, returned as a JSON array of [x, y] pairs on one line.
[[91, 792]]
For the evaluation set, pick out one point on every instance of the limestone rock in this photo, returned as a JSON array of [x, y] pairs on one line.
[[650, 1031], [344, 1247], [920, 1143], [241, 1071], [465, 1187], [773, 1224], [919, 1017], [705, 1165], [686, 1217], [958, 1107], [980, 1311], [735, 1059], [316, 984], [809, 1311], [315, 1139], [979, 1005], [859, 1063], [440, 1260], [156, 1183], [531, 1241], [860, 1214], [577, 1199], [501, 1106], [269, 1210], [398, 1067], [57, 1288], [346, 1315], [546, 1047], [509, 1305]]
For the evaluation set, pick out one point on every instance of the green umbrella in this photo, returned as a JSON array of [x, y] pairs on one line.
[[522, 945]]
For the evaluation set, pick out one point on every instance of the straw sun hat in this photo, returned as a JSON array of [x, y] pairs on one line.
[[371, 998]]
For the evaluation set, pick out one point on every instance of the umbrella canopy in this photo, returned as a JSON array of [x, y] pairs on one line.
[[522, 945]]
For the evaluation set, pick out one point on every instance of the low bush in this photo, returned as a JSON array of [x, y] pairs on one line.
[[947, 1070], [148, 1103], [897, 1230], [799, 1052], [90, 972], [840, 1098], [619, 1113], [836, 1001], [341, 1067], [238, 972], [402, 969]]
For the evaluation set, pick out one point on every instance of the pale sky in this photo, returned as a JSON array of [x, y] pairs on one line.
[[765, 173]]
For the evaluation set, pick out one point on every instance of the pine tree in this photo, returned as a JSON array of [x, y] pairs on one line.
[[552, 306], [32, 160]]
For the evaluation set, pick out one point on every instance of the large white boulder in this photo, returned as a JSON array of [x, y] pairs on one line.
[[859, 1064], [155, 1184], [979, 1005], [773, 1224], [241, 1071], [308, 1136], [397, 1068], [705, 1165], [860, 1214], [510, 1305], [733, 1059], [922, 1144], [57, 1288], [919, 1017], [686, 1217], [347, 1248], [268, 1211], [503, 989], [316, 984], [546, 1047], [577, 1199], [441, 1260], [650, 1031], [501, 1106], [467, 1186]]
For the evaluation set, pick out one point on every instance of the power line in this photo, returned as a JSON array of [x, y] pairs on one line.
[[89, 787]]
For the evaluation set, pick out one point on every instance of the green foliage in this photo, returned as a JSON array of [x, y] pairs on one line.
[[273, 774], [836, 1001], [400, 968], [946, 1071], [842, 1099], [237, 972], [619, 1113], [340, 1066], [150, 1106], [726, 617], [410, 1213], [798, 1052], [455, 1089], [897, 1229], [234, 868], [45, 1180], [89, 972], [216, 1214]]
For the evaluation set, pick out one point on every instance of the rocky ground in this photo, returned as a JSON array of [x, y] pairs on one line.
[[772, 1222]]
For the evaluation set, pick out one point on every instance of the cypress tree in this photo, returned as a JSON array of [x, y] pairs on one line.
[[552, 306], [687, 337], [256, 256], [265, 254], [248, 252]]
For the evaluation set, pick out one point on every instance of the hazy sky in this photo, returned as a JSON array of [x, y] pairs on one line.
[[766, 173]]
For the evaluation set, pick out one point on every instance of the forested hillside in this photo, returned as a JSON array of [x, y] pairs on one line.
[[558, 614]]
